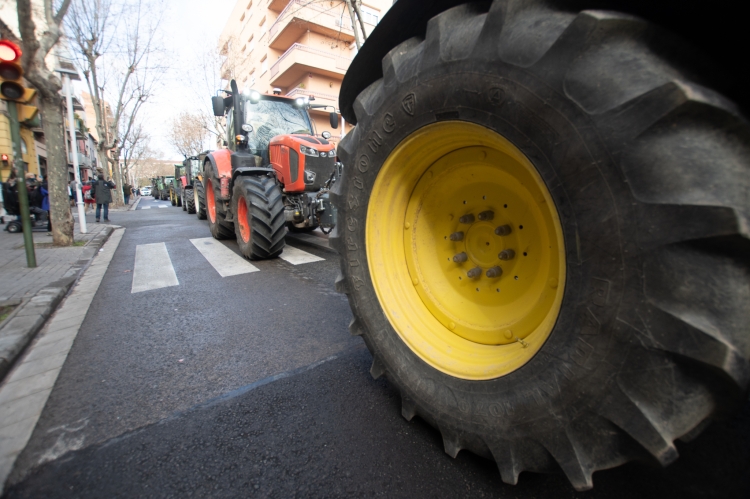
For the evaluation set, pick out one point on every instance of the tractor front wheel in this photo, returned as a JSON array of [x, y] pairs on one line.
[[200, 201], [216, 224], [188, 201], [259, 217], [543, 237]]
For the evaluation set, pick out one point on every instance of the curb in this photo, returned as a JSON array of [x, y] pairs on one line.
[[310, 240], [28, 319], [135, 205]]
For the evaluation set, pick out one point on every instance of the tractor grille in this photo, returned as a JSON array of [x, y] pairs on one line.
[[322, 167]]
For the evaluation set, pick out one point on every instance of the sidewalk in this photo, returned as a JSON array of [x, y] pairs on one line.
[[53, 264], [35, 293]]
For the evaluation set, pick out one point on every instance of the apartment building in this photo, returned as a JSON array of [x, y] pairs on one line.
[[302, 47]]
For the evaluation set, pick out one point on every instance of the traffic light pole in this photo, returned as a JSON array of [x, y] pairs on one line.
[[23, 194]]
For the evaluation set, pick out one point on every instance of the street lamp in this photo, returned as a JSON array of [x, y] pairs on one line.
[[66, 74]]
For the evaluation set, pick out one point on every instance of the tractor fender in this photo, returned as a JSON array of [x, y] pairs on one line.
[[711, 29], [254, 170], [221, 163]]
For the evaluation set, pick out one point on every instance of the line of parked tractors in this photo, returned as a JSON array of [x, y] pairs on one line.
[[185, 187]]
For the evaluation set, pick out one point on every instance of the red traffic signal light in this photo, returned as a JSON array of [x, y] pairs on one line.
[[9, 51], [11, 72]]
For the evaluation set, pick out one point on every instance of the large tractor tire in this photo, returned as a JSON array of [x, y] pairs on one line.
[[188, 203], [172, 198], [182, 201], [200, 201], [220, 229], [259, 217], [543, 230]]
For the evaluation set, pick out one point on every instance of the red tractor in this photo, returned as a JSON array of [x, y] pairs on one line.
[[275, 172]]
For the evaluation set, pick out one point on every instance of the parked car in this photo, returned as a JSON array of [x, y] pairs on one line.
[[146, 191]]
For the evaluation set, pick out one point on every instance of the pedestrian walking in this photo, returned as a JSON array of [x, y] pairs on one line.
[[103, 195], [88, 199], [126, 190]]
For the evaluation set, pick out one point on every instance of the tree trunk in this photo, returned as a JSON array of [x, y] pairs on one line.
[[57, 172], [117, 198]]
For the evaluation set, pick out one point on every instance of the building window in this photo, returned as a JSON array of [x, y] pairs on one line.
[[24, 149], [242, 18], [264, 65], [262, 22], [370, 16], [250, 4]]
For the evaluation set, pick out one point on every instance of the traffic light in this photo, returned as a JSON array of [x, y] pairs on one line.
[[11, 81]]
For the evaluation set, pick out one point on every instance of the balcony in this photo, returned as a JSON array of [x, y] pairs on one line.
[[277, 5], [301, 16], [301, 59]]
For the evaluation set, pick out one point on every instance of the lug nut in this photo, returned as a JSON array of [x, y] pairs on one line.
[[494, 272], [503, 230], [467, 219], [457, 236], [475, 272], [460, 258], [486, 215], [506, 254]]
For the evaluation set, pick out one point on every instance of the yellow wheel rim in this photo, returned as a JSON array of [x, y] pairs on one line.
[[466, 251]]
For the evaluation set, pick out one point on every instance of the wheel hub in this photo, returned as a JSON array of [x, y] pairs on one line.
[[473, 277]]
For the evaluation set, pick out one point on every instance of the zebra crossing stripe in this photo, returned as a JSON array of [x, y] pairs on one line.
[[225, 261], [153, 268], [297, 256], [162, 206], [145, 207]]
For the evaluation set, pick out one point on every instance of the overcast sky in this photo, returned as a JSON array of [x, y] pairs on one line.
[[189, 26]]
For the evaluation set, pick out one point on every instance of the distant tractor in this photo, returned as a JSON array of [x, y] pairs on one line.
[[164, 183], [199, 193], [175, 187], [275, 172], [186, 183]]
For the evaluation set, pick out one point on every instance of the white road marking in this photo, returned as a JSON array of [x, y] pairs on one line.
[[297, 256], [162, 206], [145, 207], [225, 261], [153, 268]]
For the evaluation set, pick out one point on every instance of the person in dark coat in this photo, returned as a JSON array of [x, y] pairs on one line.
[[45, 205], [103, 195]]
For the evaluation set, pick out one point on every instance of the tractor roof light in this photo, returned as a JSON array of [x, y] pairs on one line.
[[254, 97]]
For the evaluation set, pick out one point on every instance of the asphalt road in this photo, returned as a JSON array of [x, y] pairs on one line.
[[250, 385]]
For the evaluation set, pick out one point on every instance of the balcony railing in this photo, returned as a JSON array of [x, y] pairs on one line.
[[341, 63], [309, 93], [309, 11]]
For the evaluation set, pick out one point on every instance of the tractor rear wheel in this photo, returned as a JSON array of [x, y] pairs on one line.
[[188, 203], [200, 201], [544, 237], [258, 210], [216, 224]]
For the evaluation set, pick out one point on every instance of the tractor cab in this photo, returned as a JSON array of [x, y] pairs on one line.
[[272, 131]]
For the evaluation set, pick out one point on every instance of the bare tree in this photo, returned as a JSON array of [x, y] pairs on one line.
[[37, 42], [188, 133], [116, 46], [134, 150], [356, 14], [206, 80]]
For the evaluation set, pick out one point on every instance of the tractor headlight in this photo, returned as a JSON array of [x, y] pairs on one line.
[[309, 151]]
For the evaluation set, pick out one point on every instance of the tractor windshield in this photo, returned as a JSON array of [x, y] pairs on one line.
[[270, 118]]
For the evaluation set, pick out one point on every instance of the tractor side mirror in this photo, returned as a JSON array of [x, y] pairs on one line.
[[218, 105], [334, 120]]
